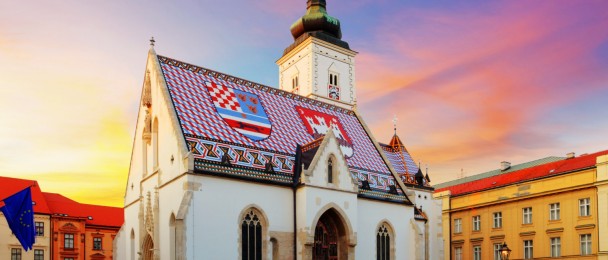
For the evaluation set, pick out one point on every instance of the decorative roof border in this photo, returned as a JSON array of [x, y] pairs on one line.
[[242, 172], [231, 143], [215, 152], [243, 82], [384, 196]]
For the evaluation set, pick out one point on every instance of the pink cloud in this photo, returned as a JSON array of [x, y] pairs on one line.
[[471, 81]]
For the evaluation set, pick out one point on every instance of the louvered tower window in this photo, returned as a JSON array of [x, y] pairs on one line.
[[251, 237]]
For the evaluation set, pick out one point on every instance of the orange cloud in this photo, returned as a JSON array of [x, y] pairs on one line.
[[472, 81]]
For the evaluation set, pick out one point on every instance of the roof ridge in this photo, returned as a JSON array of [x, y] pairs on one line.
[[495, 172], [248, 83], [548, 169]]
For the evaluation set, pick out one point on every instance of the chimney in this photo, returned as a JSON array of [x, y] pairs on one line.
[[504, 165], [570, 155]]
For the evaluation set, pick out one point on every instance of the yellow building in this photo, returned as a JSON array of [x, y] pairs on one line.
[[602, 202], [542, 210]]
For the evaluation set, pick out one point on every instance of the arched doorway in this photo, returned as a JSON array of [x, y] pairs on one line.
[[331, 240], [148, 248]]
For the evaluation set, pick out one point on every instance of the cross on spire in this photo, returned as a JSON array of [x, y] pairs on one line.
[[152, 41], [395, 123]]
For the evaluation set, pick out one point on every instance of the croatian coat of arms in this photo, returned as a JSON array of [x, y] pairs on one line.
[[318, 123], [241, 110]]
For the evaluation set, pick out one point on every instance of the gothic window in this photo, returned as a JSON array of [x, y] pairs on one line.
[[383, 243], [251, 236], [330, 171]]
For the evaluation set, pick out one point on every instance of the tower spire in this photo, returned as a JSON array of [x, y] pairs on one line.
[[316, 22], [395, 123]]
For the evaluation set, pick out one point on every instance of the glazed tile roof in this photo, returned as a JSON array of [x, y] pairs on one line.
[[527, 174], [99, 215], [10, 186], [401, 160], [491, 173], [251, 125]]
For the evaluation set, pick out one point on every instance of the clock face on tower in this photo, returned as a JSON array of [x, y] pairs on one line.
[[333, 92]]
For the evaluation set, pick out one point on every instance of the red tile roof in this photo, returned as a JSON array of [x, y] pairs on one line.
[[100, 215], [540, 171], [10, 186]]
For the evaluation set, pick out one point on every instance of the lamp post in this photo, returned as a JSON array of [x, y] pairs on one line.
[[504, 251]]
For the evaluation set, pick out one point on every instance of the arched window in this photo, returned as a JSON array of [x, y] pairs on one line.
[[251, 236], [330, 171], [383, 243]]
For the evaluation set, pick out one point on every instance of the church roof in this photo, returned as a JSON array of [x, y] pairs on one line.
[[93, 214], [400, 158], [495, 172], [255, 124], [10, 186]]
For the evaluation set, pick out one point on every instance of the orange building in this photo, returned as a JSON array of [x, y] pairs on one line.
[[65, 229], [82, 231]]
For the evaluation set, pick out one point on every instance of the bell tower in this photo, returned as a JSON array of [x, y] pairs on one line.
[[319, 64]]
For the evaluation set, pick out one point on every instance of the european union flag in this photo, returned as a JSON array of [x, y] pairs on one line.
[[19, 214]]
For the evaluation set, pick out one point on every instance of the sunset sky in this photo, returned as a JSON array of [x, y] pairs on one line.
[[473, 83]]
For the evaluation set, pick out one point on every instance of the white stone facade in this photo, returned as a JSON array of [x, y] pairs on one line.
[[312, 61], [173, 212]]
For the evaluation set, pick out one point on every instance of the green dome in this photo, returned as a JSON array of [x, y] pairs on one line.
[[316, 19]]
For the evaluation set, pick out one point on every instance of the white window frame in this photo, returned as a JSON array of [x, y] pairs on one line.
[[477, 252], [16, 254], [477, 223], [585, 244], [497, 223], [528, 249], [554, 211], [556, 246], [527, 215], [458, 253], [584, 207], [497, 248], [38, 254], [458, 226]]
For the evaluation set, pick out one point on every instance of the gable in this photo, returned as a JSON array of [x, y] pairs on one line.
[[317, 172]]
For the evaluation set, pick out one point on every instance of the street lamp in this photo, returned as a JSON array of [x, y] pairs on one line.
[[504, 251]]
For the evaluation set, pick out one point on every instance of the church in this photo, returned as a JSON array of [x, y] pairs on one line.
[[226, 168]]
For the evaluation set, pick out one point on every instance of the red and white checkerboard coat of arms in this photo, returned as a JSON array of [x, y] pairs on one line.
[[242, 111], [318, 123]]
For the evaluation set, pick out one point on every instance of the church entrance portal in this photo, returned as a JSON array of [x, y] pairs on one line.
[[330, 238]]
